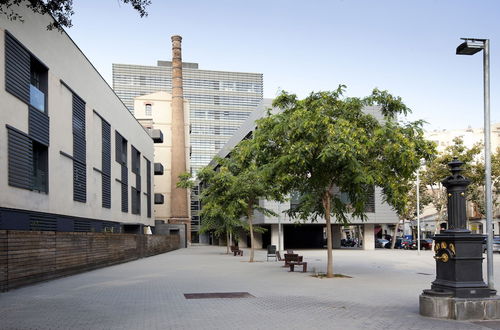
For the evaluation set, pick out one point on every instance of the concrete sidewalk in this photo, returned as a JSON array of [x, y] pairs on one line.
[[149, 294]]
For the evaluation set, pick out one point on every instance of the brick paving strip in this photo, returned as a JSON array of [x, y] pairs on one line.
[[150, 294]]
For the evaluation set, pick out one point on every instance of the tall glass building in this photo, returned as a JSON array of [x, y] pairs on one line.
[[219, 100]]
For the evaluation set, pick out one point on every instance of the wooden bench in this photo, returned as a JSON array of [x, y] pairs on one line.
[[236, 251], [302, 263], [292, 260]]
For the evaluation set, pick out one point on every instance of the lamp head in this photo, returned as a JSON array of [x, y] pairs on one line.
[[470, 46]]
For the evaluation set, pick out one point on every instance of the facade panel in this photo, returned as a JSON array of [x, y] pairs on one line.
[[39, 126], [20, 154], [106, 164], [17, 69]]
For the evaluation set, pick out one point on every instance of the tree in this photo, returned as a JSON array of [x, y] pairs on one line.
[[220, 213], [436, 169], [476, 190], [60, 10], [332, 153], [250, 184], [232, 192]]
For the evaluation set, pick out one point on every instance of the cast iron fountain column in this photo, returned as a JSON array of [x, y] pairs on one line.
[[458, 253]]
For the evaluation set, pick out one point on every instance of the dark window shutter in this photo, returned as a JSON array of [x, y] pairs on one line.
[[106, 191], [118, 147], [79, 182], [106, 165], [79, 143], [17, 69], [38, 126], [20, 153], [148, 187], [79, 151], [135, 160], [124, 181]]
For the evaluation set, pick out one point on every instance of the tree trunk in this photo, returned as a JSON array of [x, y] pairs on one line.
[[228, 242], [393, 243], [360, 236], [329, 250], [250, 227]]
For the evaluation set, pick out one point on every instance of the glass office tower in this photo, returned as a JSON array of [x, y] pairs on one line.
[[219, 103]]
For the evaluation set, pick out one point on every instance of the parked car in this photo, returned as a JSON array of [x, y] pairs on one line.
[[401, 243], [496, 244], [425, 244], [381, 242]]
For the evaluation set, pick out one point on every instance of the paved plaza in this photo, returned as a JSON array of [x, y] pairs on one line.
[[149, 294]]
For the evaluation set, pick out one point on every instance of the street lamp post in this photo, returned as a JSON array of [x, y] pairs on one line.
[[418, 210], [470, 47]]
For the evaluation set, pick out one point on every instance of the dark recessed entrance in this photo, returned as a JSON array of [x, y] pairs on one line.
[[303, 237]]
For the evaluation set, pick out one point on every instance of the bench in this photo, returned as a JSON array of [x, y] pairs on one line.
[[236, 251], [302, 263], [292, 260]]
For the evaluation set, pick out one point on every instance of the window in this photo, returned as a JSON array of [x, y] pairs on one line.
[[40, 167], [136, 161], [120, 149], [136, 201], [148, 110], [25, 75], [38, 84]]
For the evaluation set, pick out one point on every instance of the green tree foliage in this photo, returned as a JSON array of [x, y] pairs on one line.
[[476, 190], [330, 151], [220, 213], [250, 184], [60, 10], [232, 192]]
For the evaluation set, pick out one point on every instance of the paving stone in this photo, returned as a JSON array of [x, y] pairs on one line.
[[383, 293]]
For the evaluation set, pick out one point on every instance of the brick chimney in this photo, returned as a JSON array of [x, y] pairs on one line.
[[179, 197]]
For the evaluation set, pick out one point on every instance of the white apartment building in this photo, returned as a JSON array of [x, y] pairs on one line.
[[72, 157]]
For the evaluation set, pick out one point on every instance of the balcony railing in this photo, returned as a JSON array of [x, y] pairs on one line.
[[37, 98]]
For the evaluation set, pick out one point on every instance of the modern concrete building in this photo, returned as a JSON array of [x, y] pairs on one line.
[[219, 100], [284, 233], [72, 157], [154, 112]]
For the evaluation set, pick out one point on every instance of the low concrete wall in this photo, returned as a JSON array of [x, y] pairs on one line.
[[28, 257]]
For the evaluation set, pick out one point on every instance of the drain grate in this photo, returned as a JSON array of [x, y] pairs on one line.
[[212, 295]]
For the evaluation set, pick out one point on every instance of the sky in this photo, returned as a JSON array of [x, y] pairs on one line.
[[405, 47]]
